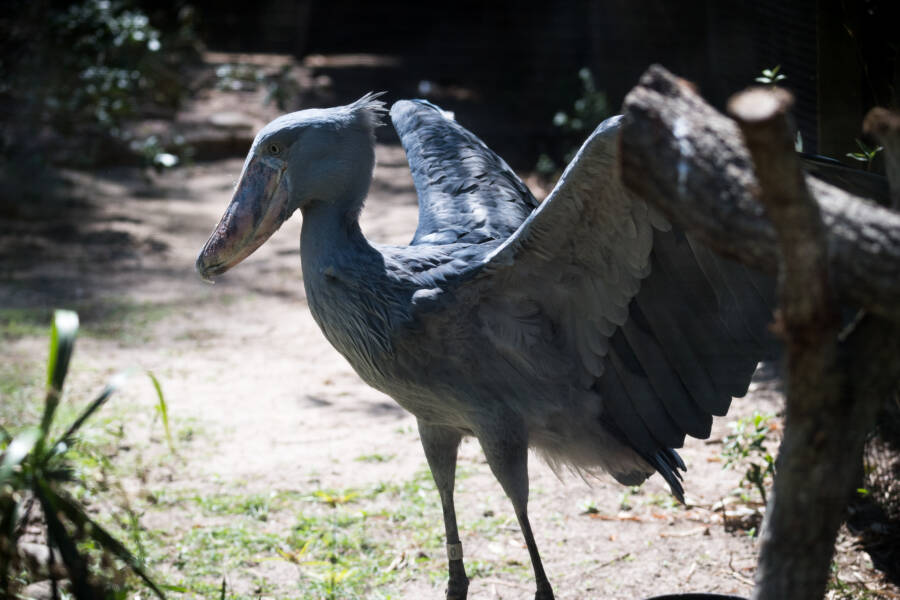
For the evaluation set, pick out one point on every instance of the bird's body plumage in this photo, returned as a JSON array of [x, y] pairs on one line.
[[586, 327], [481, 317]]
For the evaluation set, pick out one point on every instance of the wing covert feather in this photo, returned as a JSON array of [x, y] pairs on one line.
[[582, 253]]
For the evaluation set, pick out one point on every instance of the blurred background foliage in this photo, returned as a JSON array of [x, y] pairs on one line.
[[530, 77], [72, 74], [573, 126]]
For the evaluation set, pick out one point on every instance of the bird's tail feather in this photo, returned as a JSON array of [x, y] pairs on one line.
[[667, 462]]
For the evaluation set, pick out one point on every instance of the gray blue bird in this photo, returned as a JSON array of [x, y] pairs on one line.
[[586, 327]]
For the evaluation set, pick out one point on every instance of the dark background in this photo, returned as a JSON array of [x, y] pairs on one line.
[[520, 59], [505, 66]]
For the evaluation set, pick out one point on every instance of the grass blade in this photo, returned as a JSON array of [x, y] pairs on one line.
[[163, 409], [9, 519], [59, 537], [79, 517], [17, 451], [111, 387], [62, 342]]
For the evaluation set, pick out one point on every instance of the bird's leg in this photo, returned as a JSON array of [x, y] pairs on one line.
[[441, 445], [506, 450]]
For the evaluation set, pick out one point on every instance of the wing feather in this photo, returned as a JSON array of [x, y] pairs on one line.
[[466, 192], [643, 397], [665, 379]]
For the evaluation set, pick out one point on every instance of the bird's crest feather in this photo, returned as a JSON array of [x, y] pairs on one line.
[[370, 109]]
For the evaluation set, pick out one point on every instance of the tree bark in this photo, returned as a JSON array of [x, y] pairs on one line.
[[691, 162], [884, 125], [809, 324], [688, 159]]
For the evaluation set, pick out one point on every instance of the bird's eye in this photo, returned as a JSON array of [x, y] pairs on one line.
[[274, 149]]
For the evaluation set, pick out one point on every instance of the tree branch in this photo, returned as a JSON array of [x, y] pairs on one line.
[[687, 159], [884, 125], [795, 553], [809, 314]]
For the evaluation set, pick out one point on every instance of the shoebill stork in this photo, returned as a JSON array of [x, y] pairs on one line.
[[586, 327]]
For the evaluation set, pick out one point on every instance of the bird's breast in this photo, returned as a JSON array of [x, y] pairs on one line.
[[357, 318]]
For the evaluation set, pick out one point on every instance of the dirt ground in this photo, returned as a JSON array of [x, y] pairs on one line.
[[277, 409]]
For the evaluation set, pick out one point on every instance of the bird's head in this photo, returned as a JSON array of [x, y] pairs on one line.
[[299, 160]]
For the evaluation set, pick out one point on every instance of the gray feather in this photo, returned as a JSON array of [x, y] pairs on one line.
[[466, 192]]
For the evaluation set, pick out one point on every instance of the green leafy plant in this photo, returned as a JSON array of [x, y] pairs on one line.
[[83, 69], [153, 152], [36, 470], [589, 507], [573, 127], [746, 446], [238, 77], [866, 153], [771, 76]]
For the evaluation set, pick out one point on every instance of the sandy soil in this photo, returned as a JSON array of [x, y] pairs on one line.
[[281, 410]]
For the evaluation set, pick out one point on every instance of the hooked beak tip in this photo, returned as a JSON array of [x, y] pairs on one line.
[[205, 272]]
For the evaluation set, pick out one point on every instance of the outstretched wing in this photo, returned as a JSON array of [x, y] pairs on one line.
[[661, 331], [466, 192], [695, 333]]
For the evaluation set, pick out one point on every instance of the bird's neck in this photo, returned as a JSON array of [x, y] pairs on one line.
[[330, 230], [330, 236], [346, 290]]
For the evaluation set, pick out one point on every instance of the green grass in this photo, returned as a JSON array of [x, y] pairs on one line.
[[127, 321], [24, 322], [20, 394], [340, 541], [331, 544], [375, 458], [217, 549], [256, 506], [123, 320]]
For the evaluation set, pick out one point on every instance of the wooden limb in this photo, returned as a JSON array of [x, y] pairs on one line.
[[688, 159], [796, 553], [690, 162], [884, 126], [680, 154], [809, 313]]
